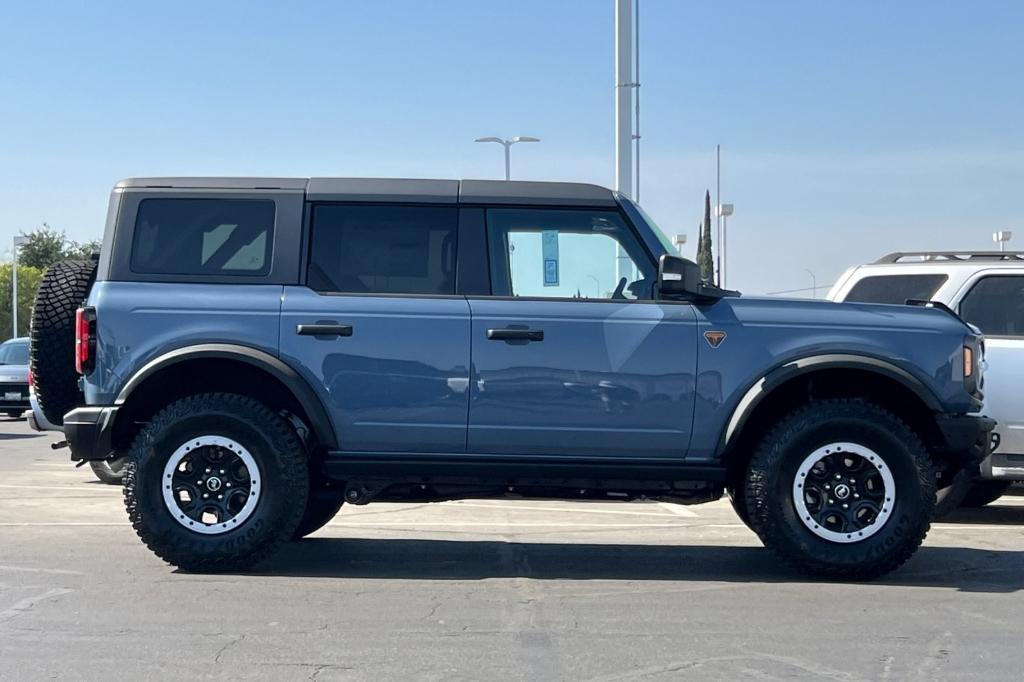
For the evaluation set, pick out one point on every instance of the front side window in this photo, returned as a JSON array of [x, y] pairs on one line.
[[383, 249], [996, 305], [566, 254], [897, 289], [203, 237]]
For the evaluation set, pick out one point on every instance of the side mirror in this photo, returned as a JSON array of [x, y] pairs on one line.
[[681, 279]]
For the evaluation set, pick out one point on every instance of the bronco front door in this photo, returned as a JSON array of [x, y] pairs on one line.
[[571, 354]]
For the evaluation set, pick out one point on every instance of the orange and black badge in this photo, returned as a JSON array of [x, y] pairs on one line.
[[714, 338]]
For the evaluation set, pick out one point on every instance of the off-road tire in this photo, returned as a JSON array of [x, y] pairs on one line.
[[950, 497], [63, 289], [271, 442], [110, 472], [738, 500], [321, 507], [773, 468], [982, 493]]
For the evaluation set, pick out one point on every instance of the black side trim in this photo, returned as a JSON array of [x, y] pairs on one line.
[[794, 368], [344, 466], [300, 388]]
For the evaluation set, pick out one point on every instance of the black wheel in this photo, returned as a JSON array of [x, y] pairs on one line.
[[109, 471], [62, 290], [950, 494], [216, 482], [15, 414], [321, 507], [985, 492], [842, 489], [739, 502]]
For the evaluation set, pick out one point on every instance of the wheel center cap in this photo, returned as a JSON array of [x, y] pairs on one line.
[[841, 491], [213, 484]]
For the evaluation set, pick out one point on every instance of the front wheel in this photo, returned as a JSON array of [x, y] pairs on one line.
[[216, 482], [841, 489]]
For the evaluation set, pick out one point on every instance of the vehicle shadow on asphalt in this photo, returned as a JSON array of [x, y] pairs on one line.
[[965, 569], [18, 436], [994, 514]]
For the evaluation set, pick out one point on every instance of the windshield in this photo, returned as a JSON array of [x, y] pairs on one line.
[[637, 213], [14, 353]]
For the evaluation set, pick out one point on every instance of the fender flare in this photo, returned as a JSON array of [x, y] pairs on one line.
[[312, 405], [780, 374]]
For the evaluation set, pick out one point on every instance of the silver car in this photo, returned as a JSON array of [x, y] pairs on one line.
[[14, 377], [987, 289]]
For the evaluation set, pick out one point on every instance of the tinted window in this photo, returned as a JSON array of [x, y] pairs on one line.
[[895, 288], [203, 237], [566, 254], [383, 249], [996, 306], [15, 353]]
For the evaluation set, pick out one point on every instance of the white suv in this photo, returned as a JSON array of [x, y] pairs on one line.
[[987, 290]]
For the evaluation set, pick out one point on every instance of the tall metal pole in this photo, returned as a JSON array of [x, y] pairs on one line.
[[718, 208], [624, 97], [636, 95], [623, 118], [14, 292], [508, 160]]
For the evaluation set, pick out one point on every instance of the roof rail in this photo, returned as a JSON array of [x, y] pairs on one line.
[[947, 256]]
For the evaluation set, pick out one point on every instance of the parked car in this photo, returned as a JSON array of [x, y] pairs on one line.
[[263, 350], [14, 377], [986, 288]]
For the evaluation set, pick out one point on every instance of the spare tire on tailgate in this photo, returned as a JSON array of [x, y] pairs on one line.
[[63, 289]]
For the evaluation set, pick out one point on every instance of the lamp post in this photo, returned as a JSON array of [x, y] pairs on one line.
[[679, 240], [1001, 238], [18, 241], [814, 283], [723, 211], [507, 144]]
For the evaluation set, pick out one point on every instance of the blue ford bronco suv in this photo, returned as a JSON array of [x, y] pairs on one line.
[[261, 351]]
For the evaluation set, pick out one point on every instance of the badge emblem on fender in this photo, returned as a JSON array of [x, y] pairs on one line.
[[714, 339]]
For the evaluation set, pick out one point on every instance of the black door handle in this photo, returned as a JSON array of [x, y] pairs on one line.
[[323, 329], [515, 334]]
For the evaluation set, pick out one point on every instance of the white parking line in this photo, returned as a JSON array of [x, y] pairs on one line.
[[28, 569], [678, 509], [33, 524], [27, 604], [91, 487], [513, 524]]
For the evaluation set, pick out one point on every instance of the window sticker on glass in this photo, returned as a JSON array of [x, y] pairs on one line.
[[549, 249]]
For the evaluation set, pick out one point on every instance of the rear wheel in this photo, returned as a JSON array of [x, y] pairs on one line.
[[62, 290], [322, 506], [841, 488], [216, 482], [982, 493], [109, 471], [15, 414]]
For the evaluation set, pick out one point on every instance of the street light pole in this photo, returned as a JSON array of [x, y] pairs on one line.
[[507, 144], [1001, 238], [814, 283], [723, 211], [18, 241]]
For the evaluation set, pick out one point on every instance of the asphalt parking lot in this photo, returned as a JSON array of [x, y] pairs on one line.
[[495, 589]]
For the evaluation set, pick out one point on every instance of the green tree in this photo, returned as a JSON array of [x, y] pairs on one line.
[[45, 246], [705, 259], [28, 282], [82, 250]]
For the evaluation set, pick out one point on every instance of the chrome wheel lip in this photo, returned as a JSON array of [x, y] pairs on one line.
[[171, 504], [873, 459]]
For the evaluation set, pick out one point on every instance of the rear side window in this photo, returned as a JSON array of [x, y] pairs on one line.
[[203, 237], [996, 306], [895, 288], [383, 249]]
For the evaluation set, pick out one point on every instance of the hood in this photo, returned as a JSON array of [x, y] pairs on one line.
[[822, 313]]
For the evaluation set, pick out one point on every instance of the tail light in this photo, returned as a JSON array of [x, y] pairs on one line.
[[85, 340], [31, 379]]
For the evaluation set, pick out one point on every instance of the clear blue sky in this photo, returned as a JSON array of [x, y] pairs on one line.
[[848, 129]]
